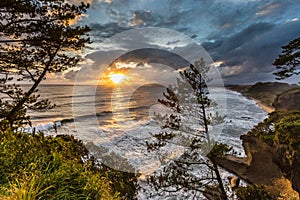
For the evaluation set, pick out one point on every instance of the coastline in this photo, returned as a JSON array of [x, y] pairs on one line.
[[265, 107], [269, 95], [268, 109]]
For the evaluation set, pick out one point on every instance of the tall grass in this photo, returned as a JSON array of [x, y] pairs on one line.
[[37, 167]]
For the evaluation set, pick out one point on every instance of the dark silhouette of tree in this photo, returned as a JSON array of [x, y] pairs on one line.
[[195, 170], [36, 38], [288, 63]]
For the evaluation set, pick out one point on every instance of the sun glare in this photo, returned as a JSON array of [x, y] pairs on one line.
[[117, 78]]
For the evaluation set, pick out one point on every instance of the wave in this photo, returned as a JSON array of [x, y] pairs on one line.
[[77, 104], [139, 108], [44, 127], [47, 116], [72, 96], [65, 121]]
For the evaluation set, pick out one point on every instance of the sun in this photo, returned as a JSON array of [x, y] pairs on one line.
[[117, 78]]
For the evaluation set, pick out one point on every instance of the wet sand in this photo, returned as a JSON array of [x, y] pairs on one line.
[[267, 108]]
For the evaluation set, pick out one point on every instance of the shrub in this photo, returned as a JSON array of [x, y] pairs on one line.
[[36, 167], [253, 192]]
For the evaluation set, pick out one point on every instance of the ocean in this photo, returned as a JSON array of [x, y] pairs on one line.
[[121, 119], [115, 123]]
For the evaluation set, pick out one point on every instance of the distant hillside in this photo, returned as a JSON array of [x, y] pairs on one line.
[[281, 96], [288, 100]]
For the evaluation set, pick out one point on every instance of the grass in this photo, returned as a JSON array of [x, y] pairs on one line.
[[38, 167]]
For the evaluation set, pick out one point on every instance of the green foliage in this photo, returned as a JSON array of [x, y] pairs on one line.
[[253, 192], [288, 131], [281, 127], [218, 150], [264, 130], [38, 167], [289, 61], [37, 38]]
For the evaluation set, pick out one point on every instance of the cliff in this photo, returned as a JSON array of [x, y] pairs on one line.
[[273, 155], [272, 147], [288, 100], [259, 168], [270, 95]]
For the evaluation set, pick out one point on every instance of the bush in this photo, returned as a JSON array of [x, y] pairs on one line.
[[288, 131], [282, 127], [38, 167], [253, 192]]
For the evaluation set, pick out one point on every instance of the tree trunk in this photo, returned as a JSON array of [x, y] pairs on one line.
[[12, 114], [220, 182]]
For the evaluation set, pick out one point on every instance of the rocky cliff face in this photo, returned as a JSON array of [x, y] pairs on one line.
[[261, 167], [289, 100], [289, 167], [295, 172]]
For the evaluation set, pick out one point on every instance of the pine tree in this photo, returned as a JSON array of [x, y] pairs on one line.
[[195, 170], [288, 63], [36, 39]]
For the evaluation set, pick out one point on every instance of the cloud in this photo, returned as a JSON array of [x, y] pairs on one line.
[[140, 61], [232, 71], [158, 56], [201, 20], [268, 8], [108, 1], [245, 35], [292, 20], [248, 34], [70, 75], [102, 31], [142, 18], [248, 55], [198, 19]]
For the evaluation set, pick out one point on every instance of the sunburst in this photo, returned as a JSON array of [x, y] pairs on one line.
[[117, 78]]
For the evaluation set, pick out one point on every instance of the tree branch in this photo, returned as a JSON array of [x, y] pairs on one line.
[[12, 113]]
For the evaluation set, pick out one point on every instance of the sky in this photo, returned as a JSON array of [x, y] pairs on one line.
[[241, 37]]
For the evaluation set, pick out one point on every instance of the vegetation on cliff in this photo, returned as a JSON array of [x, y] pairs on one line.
[[33, 166], [39, 38], [281, 131], [281, 127], [254, 192]]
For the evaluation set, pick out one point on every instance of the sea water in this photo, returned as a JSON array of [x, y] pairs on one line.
[[119, 121]]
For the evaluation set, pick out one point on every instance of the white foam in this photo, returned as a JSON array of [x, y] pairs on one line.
[[128, 138]]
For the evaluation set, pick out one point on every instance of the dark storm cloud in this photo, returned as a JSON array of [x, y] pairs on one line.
[[230, 45], [245, 35], [102, 59], [248, 55], [155, 56], [198, 19], [139, 18], [102, 31]]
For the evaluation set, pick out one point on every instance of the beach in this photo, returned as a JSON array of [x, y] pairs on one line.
[[268, 109]]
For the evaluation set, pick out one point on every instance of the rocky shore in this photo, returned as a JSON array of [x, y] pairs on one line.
[[259, 168], [264, 164]]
